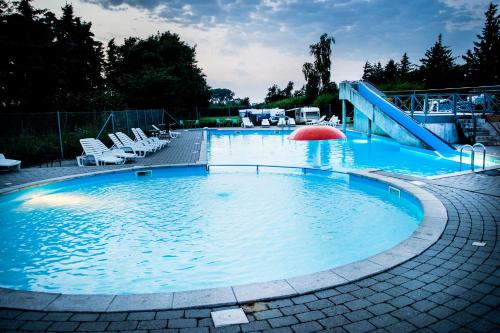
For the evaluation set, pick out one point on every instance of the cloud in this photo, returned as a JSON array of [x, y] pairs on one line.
[[248, 45]]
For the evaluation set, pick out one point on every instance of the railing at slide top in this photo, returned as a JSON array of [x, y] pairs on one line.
[[465, 101]]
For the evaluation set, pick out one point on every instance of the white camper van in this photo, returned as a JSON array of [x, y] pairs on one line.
[[304, 114]]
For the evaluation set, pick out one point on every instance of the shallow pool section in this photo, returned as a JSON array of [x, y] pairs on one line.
[[186, 228], [357, 151]]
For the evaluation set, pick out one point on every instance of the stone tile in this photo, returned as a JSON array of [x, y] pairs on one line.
[[98, 303], [283, 321], [267, 314], [263, 291], [358, 269], [141, 302], [360, 326], [307, 327], [197, 298], [181, 323], [316, 281], [26, 300]]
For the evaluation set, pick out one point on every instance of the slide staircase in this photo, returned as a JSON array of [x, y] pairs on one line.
[[393, 121]]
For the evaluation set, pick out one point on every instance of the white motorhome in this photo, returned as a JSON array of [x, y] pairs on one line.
[[304, 114]]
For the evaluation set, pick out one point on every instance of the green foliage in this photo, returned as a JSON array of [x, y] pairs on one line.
[[275, 93], [482, 63], [158, 72], [322, 52], [221, 96], [401, 85], [438, 66], [325, 99], [289, 103]]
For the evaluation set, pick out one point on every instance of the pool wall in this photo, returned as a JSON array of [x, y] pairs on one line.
[[430, 229]]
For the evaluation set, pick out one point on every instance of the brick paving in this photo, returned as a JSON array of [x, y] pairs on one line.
[[453, 286]]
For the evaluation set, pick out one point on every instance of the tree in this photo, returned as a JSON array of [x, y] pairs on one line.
[[405, 68], [482, 63], [391, 71], [438, 66], [287, 92], [313, 80], [322, 52], [221, 96], [158, 72], [367, 71]]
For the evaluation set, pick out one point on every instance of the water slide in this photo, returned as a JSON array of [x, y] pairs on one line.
[[373, 103]]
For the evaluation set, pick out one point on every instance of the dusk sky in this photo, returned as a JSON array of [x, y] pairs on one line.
[[247, 46]]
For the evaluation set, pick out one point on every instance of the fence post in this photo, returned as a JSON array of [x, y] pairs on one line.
[[113, 121], [412, 104], [426, 107], [60, 135], [343, 115]]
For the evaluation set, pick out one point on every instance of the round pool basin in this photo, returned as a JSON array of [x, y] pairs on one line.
[[185, 228]]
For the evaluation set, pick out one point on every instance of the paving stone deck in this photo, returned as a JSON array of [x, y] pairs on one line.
[[453, 286], [182, 150]]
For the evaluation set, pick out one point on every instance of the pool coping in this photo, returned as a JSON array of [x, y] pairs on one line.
[[429, 231]]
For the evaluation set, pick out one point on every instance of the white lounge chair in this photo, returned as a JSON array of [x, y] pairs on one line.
[[137, 149], [163, 133], [116, 151], [281, 122], [265, 123], [291, 122], [334, 121], [160, 142], [139, 139], [128, 142], [9, 164], [98, 157], [320, 121], [246, 122]]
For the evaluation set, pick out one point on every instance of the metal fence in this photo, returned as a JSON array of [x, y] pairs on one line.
[[38, 138], [48, 137]]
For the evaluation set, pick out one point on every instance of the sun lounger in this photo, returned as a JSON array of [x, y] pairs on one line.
[[281, 122], [137, 149], [291, 122], [334, 121], [139, 138], [96, 155], [246, 122], [116, 151], [8, 164], [265, 123], [160, 142], [128, 142]]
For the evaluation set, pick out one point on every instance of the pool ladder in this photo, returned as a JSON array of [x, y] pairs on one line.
[[472, 152]]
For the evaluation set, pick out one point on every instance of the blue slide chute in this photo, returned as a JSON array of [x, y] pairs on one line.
[[377, 98]]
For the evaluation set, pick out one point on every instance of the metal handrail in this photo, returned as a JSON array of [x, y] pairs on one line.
[[257, 166], [480, 145], [472, 155]]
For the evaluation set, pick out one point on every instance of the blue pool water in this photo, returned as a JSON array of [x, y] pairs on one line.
[[184, 228], [357, 151]]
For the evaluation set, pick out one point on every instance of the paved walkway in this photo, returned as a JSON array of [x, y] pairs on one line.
[[182, 150], [451, 287]]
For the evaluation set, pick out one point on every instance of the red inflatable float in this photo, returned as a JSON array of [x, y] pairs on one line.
[[316, 133]]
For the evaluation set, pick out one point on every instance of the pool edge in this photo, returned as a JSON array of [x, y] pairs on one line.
[[429, 231]]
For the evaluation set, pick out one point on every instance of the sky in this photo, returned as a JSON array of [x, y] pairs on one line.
[[247, 46]]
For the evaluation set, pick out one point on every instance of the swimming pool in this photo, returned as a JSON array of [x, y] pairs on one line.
[[357, 151], [186, 228]]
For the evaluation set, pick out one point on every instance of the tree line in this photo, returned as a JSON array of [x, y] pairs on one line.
[[439, 68], [319, 88], [51, 63]]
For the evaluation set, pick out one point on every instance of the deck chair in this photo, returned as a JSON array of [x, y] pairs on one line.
[[138, 150], [291, 122], [246, 122], [161, 142], [265, 123], [8, 164], [138, 138], [281, 122], [116, 151], [128, 142], [96, 155]]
